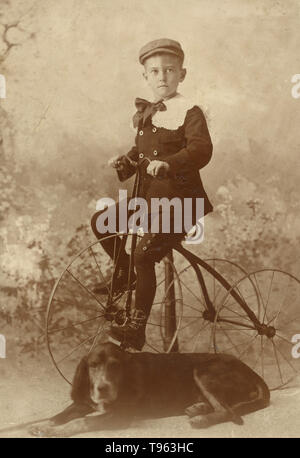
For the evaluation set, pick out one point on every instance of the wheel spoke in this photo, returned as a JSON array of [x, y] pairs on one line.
[[178, 300], [100, 272], [242, 330], [282, 325], [72, 325], [284, 339], [277, 360], [154, 324], [114, 267], [236, 313], [189, 289], [189, 324], [238, 345], [191, 316], [68, 304], [185, 269], [191, 307], [197, 333], [230, 340], [99, 330], [262, 356], [198, 336], [284, 357], [76, 348], [149, 345], [268, 297], [235, 303], [216, 296], [214, 280], [259, 293], [243, 299], [172, 315], [256, 361], [250, 343], [278, 313], [85, 288], [162, 302]]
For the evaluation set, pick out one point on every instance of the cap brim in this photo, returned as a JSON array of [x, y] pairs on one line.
[[159, 50]]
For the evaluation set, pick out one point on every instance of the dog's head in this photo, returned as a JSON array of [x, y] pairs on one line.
[[99, 376]]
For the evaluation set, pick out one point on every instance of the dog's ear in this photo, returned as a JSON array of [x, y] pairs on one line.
[[81, 382]]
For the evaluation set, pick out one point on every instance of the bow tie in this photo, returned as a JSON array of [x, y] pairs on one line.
[[146, 109]]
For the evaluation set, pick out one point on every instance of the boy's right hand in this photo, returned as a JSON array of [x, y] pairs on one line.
[[116, 162], [121, 162], [124, 166]]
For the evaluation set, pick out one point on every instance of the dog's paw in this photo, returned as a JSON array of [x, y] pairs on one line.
[[46, 431], [200, 408], [38, 430], [200, 421]]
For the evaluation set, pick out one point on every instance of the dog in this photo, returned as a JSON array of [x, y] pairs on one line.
[[119, 386]]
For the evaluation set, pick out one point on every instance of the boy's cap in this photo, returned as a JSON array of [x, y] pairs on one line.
[[162, 45]]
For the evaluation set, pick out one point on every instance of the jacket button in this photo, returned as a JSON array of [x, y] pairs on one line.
[[141, 132], [155, 152], [154, 129], [141, 155]]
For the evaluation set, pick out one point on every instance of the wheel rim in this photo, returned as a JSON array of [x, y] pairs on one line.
[[267, 346]]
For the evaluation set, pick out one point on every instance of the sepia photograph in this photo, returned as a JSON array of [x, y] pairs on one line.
[[149, 221]]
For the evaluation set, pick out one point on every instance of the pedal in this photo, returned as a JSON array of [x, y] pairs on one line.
[[120, 317], [114, 341], [123, 345]]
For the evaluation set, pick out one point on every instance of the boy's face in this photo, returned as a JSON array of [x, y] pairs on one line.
[[163, 73]]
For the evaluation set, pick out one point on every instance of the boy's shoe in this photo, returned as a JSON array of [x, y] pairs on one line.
[[132, 333], [113, 313], [120, 283]]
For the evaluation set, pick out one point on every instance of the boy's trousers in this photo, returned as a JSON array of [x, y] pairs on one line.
[[151, 248]]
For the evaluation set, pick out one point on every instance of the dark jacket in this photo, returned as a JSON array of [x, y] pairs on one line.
[[186, 149]]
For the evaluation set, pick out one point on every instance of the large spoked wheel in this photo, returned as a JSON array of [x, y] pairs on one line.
[[76, 318], [262, 332], [194, 321]]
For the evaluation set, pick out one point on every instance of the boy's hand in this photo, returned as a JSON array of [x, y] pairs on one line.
[[158, 168], [116, 162], [120, 162]]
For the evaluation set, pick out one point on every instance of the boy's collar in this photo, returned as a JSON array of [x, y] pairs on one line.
[[166, 100], [175, 113]]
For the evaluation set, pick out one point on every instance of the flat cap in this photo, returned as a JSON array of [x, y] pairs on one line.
[[162, 45]]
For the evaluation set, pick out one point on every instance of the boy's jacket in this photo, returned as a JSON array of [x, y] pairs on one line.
[[186, 149]]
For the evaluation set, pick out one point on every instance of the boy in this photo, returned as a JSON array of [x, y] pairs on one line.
[[172, 135]]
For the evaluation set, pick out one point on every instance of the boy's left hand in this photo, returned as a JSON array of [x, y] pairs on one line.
[[158, 168]]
